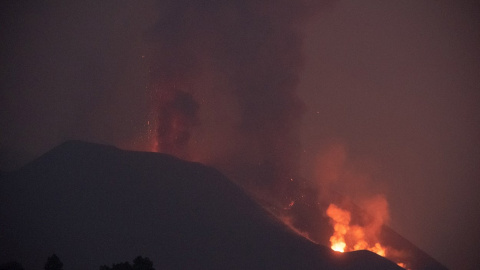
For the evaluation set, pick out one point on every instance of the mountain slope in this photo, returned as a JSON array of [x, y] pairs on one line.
[[94, 204]]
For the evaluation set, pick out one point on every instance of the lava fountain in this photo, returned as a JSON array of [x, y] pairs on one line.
[[349, 237]]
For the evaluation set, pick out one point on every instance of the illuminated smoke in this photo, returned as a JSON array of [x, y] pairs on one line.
[[364, 233], [251, 52], [348, 237], [177, 113]]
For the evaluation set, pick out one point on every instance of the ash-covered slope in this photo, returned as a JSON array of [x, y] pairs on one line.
[[93, 205]]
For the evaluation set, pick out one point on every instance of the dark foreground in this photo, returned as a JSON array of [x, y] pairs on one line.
[[94, 205]]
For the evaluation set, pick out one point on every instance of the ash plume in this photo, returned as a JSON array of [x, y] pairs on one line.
[[249, 52], [177, 113]]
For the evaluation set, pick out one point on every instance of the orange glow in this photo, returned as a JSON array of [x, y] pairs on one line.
[[379, 249], [342, 230], [338, 244], [341, 219], [348, 237]]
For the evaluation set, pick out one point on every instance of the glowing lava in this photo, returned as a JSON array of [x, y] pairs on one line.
[[347, 237], [355, 235], [342, 220]]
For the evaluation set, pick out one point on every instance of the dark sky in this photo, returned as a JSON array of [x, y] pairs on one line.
[[392, 87]]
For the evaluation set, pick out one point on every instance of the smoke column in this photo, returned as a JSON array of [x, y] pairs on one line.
[[177, 113], [251, 53]]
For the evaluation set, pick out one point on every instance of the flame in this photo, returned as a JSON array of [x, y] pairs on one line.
[[348, 237], [342, 220], [356, 234]]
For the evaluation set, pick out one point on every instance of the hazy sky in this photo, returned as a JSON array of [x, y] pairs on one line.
[[396, 84]]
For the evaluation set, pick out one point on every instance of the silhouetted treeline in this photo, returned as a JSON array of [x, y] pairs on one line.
[[11, 266], [139, 263], [54, 263]]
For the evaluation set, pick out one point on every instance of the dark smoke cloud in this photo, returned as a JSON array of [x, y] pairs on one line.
[[251, 51], [177, 113]]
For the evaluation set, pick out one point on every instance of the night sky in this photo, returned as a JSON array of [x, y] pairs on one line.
[[387, 91]]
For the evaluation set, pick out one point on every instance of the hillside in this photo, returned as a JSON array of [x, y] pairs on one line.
[[94, 204]]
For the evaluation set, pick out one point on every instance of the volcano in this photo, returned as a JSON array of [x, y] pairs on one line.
[[93, 204]]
